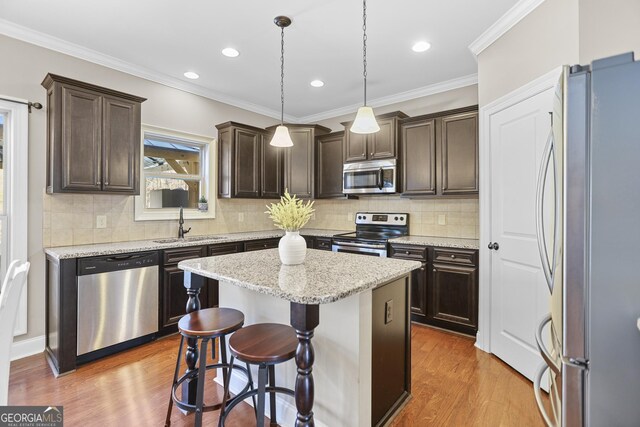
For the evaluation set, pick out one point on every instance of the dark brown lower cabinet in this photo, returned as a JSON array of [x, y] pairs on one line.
[[453, 293], [258, 245], [173, 294], [418, 291], [323, 243], [215, 250], [310, 240]]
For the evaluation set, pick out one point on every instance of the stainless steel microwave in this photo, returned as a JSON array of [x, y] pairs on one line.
[[373, 177]]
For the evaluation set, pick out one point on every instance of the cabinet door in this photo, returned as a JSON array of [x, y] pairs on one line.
[[418, 157], [225, 159], [355, 147], [258, 245], [271, 169], [459, 154], [298, 164], [329, 166], [310, 241], [453, 297], [174, 294], [213, 285], [382, 144], [81, 140], [323, 243], [247, 163], [419, 293], [121, 146]]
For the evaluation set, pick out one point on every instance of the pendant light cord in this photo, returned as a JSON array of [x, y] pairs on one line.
[[282, 77], [364, 47]]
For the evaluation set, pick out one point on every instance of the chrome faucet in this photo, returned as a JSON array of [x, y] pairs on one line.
[[181, 230]]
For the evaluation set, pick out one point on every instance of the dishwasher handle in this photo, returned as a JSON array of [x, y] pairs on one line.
[[108, 263]]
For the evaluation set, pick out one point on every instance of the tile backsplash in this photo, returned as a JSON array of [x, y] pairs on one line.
[[71, 219]]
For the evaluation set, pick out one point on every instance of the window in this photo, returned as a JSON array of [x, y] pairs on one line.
[[177, 170]]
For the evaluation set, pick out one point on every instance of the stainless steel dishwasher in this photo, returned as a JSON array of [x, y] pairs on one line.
[[117, 300]]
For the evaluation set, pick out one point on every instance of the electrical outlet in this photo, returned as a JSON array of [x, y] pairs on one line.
[[101, 221], [350, 216], [240, 216], [313, 216], [442, 219], [388, 312]]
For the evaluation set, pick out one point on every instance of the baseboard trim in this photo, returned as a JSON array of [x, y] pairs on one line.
[[28, 347]]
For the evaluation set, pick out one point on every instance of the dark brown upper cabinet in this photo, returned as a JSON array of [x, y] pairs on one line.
[[439, 153], [93, 138], [329, 165], [248, 167], [299, 160], [380, 145]]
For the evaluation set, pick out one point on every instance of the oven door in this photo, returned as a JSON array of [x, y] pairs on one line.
[[379, 250], [370, 177]]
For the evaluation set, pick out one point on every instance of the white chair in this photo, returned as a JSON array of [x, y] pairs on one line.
[[9, 298]]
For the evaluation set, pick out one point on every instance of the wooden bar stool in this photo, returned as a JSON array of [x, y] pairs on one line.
[[205, 325], [265, 345]]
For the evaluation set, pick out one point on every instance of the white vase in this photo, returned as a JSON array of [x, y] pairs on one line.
[[292, 248]]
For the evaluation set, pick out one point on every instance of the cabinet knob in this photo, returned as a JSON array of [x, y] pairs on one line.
[[421, 268], [106, 183], [406, 252], [98, 182], [453, 256], [372, 154], [434, 270]]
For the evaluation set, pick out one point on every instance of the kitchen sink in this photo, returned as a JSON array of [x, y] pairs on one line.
[[188, 239]]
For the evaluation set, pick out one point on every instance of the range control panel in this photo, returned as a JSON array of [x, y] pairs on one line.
[[377, 218]]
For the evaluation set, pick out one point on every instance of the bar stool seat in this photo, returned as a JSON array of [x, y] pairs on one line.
[[205, 325], [265, 345]]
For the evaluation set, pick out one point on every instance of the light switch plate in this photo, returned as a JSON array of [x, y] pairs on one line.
[[101, 221], [388, 312], [350, 216], [442, 219], [240, 216]]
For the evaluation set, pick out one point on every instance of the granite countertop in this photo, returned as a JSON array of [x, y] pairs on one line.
[[82, 251], [323, 278], [445, 242]]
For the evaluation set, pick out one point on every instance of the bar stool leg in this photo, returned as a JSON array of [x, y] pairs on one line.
[[225, 395], [252, 387], [201, 378], [223, 356], [167, 421], [272, 400], [262, 383]]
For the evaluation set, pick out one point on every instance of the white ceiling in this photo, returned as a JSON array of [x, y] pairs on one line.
[[167, 38]]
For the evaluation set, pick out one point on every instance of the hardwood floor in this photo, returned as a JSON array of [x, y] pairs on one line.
[[453, 384]]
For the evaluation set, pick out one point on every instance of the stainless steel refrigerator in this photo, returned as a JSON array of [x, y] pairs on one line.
[[588, 224]]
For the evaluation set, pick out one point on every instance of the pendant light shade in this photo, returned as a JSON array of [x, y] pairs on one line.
[[281, 138], [365, 121]]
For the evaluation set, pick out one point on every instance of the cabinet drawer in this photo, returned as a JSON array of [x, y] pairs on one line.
[[323, 243], [257, 245], [409, 252], [174, 256], [455, 256], [230, 248]]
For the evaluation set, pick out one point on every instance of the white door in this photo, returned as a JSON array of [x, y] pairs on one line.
[[519, 293]]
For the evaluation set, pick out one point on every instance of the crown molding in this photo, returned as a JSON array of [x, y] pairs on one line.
[[504, 24], [31, 36], [433, 89]]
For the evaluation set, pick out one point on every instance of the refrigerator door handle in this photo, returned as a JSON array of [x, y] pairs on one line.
[[546, 354], [537, 379], [542, 245]]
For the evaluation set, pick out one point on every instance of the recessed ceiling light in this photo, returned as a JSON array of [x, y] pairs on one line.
[[317, 83], [191, 75], [230, 52], [421, 47]]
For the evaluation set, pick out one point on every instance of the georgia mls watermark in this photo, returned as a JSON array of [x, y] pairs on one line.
[[31, 416]]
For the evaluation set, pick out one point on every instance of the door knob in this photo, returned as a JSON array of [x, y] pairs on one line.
[[494, 245]]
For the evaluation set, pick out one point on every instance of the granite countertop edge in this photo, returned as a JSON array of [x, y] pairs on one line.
[[84, 251], [339, 294]]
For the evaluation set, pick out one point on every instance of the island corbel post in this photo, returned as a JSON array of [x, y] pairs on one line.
[[304, 319]]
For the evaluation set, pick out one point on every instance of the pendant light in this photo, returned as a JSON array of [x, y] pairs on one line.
[[365, 121], [281, 137]]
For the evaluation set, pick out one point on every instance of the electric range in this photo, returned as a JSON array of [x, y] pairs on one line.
[[373, 231]]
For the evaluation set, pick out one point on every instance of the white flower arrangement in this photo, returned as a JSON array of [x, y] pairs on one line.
[[291, 213]]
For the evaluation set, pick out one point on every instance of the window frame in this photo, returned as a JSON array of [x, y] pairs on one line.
[[207, 171]]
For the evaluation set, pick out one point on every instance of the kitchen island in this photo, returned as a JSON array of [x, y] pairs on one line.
[[354, 308]]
